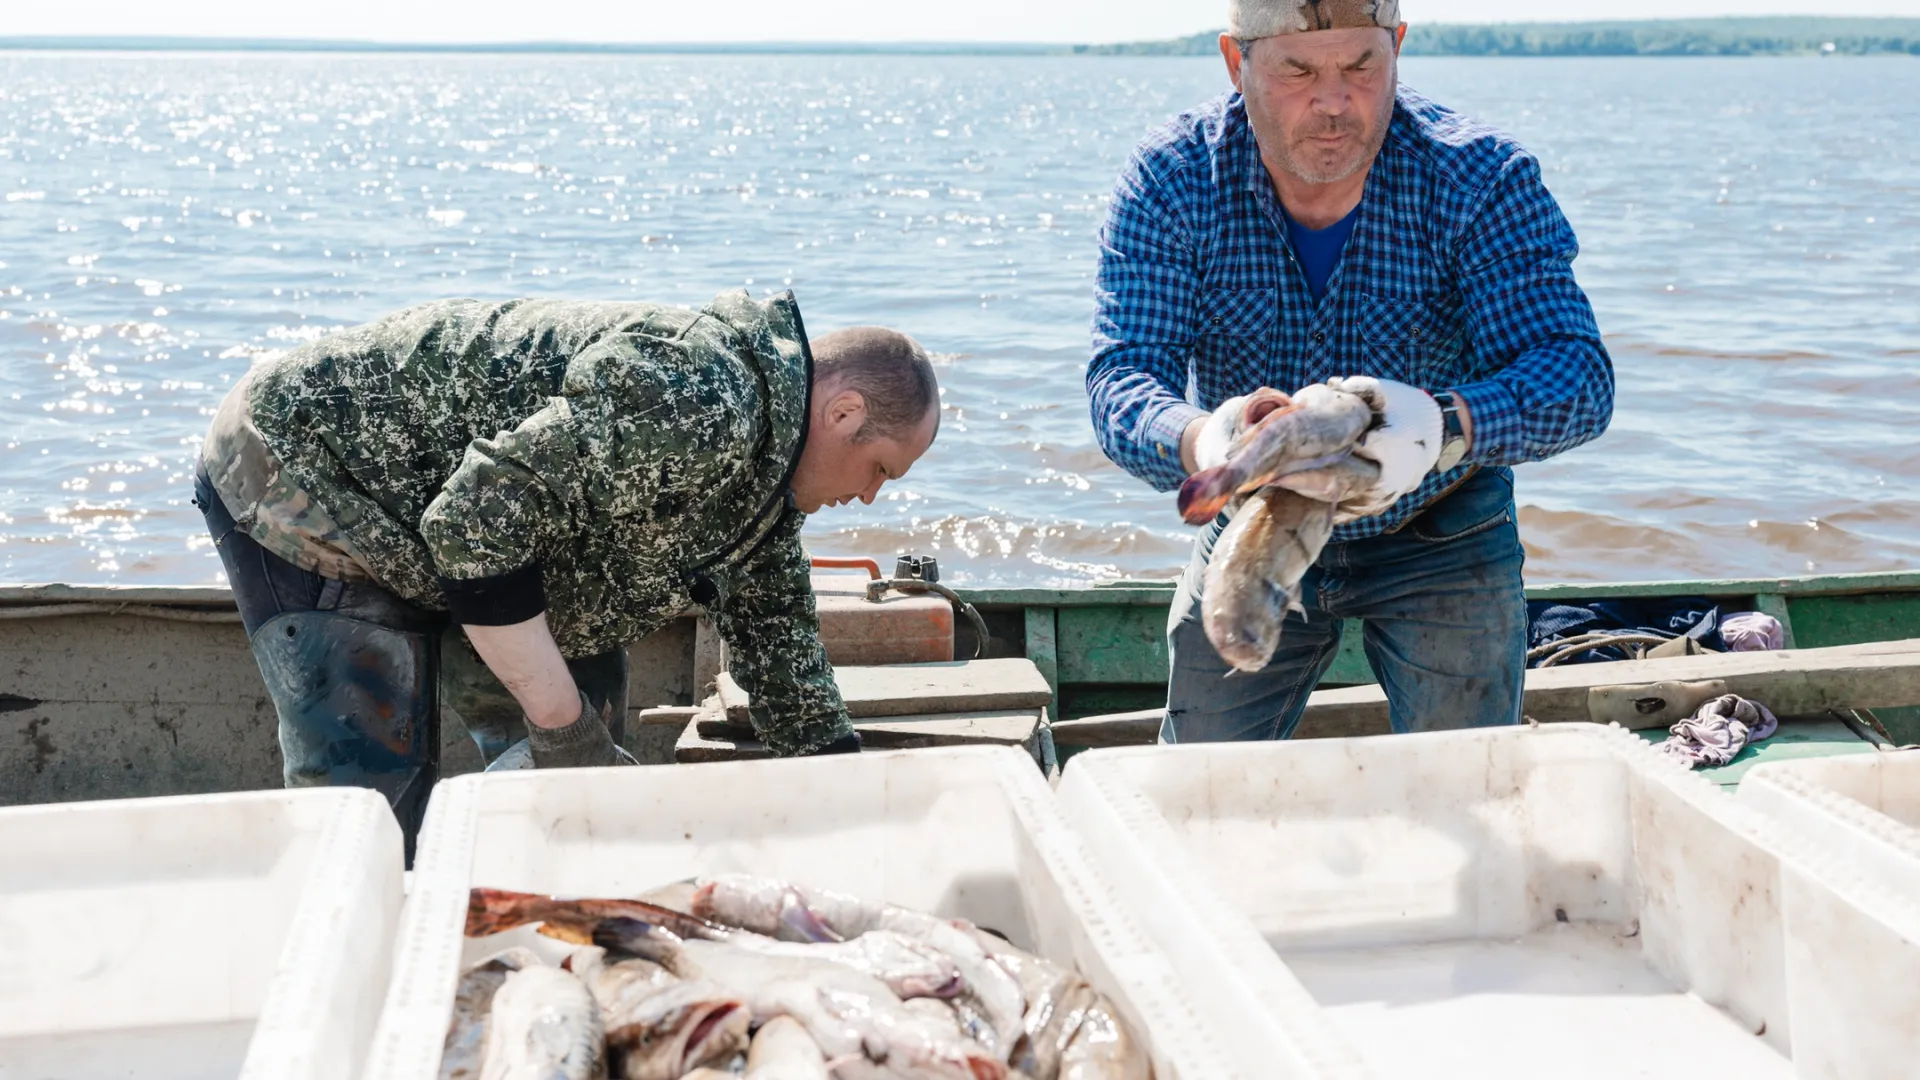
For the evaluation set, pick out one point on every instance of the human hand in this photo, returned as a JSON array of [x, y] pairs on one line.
[[583, 744]]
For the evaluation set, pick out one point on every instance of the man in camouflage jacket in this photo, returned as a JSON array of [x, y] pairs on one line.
[[556, 479]]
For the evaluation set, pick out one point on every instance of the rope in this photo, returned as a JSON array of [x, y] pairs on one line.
[[1558, 652], [138, 611]]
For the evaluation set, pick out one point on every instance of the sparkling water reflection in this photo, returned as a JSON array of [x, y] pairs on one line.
[[1751, 230]]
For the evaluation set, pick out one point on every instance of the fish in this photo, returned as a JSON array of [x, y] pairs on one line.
[[1253, 577], [1103, 1048], [850, 1014], [991, 997], [1072, 1032], [490, 911], [1315, 429], [466, 1043], [544, 1025], [1346, 479], [782, 1050], [910, 968], [778, 909], [658, 1026], [676, 1027]]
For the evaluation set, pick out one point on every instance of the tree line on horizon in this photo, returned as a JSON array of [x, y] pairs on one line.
[[1780, 36]]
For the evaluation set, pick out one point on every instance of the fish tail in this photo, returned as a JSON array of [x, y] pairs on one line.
[[489, 911]]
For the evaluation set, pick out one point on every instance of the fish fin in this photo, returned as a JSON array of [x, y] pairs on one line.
[[569, 931], [796, 916], [1205, 493], [490, 911]]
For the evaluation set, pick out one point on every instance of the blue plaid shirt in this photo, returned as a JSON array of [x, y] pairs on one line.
[[1458, 276]]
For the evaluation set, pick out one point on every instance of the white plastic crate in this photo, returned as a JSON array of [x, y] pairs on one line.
[[969, 833], [1520, 902], [206, 936], [1862, 813]]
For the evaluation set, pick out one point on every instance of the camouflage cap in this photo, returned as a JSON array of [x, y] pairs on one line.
[[1250, 19]]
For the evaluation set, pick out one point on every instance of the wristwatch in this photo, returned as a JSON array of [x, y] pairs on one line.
[[1453, 439]]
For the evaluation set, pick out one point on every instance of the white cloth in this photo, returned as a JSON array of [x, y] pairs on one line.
[[1753, 631], [1720, 730]]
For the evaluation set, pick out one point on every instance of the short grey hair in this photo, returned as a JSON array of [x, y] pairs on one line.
[[886, 368], [1250, 20]]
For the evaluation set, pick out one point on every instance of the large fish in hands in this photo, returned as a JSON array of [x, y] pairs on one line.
[[1316, 428], [1275, 537]]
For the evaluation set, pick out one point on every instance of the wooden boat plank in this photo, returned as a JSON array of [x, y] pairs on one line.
[[1797, 682], [1115, 729], [711, 737], [924, 689]]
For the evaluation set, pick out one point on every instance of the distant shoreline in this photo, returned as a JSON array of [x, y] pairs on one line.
[[1775, 36]]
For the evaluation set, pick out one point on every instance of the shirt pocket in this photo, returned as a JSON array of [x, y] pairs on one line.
[[1233, 343], [1414, 341]]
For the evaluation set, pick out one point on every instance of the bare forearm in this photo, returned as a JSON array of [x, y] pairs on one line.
[[528, 663]]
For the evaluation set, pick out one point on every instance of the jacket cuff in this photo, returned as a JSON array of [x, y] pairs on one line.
[[502, 600], [1164, 430], [847, 744], [1498, 434]]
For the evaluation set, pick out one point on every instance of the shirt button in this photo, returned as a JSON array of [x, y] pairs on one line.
[[1319, 339]]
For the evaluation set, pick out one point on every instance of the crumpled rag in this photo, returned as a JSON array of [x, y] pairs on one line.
[[1720, 730], [1753, 631]]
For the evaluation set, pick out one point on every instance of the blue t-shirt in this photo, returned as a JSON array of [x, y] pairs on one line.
[[1319, 249]]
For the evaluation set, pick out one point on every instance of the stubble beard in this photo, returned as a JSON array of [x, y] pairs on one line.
[[1301, 159]]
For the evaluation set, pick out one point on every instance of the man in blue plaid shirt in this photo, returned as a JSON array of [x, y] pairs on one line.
[[1322, 223]]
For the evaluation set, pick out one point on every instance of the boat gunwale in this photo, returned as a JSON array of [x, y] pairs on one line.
[[1102, 594]]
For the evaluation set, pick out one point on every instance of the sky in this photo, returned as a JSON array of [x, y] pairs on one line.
[[1093, 21]]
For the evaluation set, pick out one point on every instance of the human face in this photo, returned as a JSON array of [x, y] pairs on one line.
[[1319, 102], [837, 468]]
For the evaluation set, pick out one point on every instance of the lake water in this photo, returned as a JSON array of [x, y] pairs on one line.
[[1751, 229]]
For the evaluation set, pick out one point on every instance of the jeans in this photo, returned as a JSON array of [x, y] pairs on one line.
[[1443, 621], [361, 679]]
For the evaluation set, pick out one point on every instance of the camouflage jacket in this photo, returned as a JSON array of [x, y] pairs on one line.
[[610, 464]]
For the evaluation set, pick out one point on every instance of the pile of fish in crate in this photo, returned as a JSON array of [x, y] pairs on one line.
[[1515, 903], [737, 974]]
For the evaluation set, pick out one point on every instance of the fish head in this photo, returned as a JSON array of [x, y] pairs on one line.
[[635, 937]]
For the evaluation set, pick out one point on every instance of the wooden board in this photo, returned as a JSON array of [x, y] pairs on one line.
[[712, 737], [924, 689], [1803, 682], [732, 700], [1117, 729], [957, 686]]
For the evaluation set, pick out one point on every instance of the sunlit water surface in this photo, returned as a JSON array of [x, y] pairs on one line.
[[1751, 231]]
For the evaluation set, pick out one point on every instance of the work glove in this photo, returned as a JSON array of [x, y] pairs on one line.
[[584, 744], [1404, 441], [1214, 445]]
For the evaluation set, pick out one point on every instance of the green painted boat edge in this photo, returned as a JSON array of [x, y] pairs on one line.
[[1122, 593], [1106, 594]]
